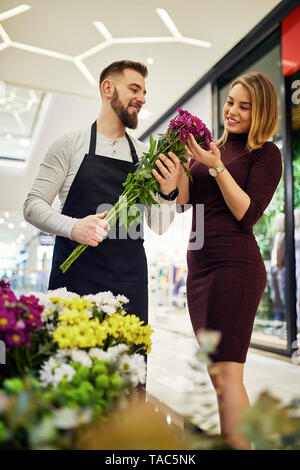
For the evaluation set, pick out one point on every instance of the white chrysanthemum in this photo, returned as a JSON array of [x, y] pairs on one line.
[[47, 371], [62, 354], [48, 305], [119, 349], [134, 368], [62, 293], [108, 309], [102, 298], [99, 354], [122, 299], [50, 327], [47, 315], [82, 357], [111, 355], [64, 372]]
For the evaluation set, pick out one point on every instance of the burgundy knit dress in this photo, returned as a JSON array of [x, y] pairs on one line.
[[227, 276]]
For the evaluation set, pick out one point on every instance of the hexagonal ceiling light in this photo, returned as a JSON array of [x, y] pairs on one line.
[[109, 40]]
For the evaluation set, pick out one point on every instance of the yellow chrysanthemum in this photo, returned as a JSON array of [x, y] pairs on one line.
[[72, 316], [84, 335], [77, 329], [63, 336]]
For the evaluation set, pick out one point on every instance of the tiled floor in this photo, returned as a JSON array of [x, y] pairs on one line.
[[174, 382]]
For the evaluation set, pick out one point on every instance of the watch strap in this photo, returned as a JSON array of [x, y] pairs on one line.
[[171, 196]]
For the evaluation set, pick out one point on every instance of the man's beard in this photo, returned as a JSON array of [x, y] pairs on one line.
[[128, 120]]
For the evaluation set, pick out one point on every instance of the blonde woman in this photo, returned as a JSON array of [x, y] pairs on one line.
[[235, 180]]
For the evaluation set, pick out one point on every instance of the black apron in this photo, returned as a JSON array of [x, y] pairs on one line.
[[118, 265]]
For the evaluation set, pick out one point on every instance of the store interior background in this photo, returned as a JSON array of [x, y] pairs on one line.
[[50, 61]]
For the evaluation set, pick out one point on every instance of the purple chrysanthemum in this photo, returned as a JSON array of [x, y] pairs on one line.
[[18, 317], [32, 317], [4, 285], [8, 296], [185, 124], [7, 320], [16, 337]]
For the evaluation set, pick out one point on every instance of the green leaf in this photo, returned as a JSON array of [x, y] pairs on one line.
[[123, 217]]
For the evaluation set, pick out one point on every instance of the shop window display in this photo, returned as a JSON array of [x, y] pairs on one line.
[[296, 174]]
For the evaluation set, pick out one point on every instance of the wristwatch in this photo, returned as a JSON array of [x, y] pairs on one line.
[[171, 196], [215, 171]]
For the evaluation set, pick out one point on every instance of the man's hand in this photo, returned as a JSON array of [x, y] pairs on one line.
[[169, 170], [91, 230]]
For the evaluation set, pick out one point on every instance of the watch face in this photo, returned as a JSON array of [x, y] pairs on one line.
[[212, 171]]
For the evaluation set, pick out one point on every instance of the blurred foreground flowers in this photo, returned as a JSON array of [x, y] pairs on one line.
[[70, 359], [71, 380]]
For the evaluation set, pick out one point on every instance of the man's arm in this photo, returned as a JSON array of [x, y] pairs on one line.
[[51, 176]]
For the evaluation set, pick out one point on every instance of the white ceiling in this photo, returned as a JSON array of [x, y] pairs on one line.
[[66, 28]]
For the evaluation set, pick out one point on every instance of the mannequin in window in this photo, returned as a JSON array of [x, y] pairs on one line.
[[297, 262], [277, 273]]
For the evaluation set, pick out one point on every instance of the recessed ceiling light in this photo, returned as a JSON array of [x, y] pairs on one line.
[[1, 220], [23, 224], [21, 236], [150, 60], [14, 11], [11, 226], [6, 215], [8, 136], [24, 142]]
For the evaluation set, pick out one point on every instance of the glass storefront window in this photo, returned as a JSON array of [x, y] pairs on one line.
[[296, 183]]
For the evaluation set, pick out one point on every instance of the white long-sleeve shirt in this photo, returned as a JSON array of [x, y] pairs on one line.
[[57, 172]]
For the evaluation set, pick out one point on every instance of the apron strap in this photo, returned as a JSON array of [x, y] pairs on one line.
[[93, 140], [134, 156]]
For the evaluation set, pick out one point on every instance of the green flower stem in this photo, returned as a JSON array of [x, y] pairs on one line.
[[113, 214], [27, 353], [131, 193], [17, 359]]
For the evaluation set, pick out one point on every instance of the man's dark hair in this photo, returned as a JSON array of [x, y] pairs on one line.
[[120, 66]]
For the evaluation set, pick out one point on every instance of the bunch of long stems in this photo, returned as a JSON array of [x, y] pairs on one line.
[[141, 185]]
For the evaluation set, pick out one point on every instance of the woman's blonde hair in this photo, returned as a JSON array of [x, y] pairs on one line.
[[264, 109]]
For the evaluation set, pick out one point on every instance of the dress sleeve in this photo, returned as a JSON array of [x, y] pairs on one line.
[[263, 179], [37, 209]]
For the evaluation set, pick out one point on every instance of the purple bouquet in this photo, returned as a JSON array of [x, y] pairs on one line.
[[185, 124], [19, 320]]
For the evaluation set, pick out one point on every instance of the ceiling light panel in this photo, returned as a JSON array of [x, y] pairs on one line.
[[168, 22], [19, 111], [14, 11], [175, 36]]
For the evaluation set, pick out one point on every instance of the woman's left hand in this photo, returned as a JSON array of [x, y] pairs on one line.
[[210, 158]]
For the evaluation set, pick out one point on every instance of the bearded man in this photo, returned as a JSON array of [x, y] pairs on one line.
[[86, 168]]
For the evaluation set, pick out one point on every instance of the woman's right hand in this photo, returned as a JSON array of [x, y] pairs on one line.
[[91, 230]]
